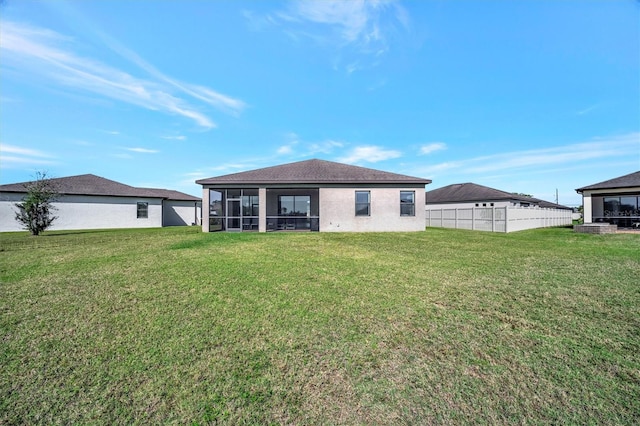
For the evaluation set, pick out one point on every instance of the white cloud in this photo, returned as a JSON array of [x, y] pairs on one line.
[[587, 110], [538, 159], [175, 138], [356, 21], [142, 150], [432, 147], [362, 29], [371, 154], [13, 149], [47, 54], [305, 148], [285, 149], [20, 157], [324, 147]]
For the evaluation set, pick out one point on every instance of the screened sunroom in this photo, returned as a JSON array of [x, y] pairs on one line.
[[238, 209]]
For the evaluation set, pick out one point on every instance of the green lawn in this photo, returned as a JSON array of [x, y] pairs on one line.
[[443, 327]]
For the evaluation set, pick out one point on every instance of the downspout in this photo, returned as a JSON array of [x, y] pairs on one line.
[[162, 212]]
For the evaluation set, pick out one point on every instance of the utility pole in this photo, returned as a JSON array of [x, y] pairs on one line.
[[557, 196]]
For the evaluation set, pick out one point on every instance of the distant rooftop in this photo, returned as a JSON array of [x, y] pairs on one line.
[[89, 184], [463, 192], [471, 192]]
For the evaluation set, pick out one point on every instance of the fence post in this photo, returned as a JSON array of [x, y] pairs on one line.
[[506, 219], [473, 218], [493, 219]]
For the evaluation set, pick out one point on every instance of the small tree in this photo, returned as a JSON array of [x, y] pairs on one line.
[[35, 210]]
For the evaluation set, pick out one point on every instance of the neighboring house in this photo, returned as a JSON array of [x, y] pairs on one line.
[[478, 207], [462, 195], [92, 202], [314, 195], [615, 201]]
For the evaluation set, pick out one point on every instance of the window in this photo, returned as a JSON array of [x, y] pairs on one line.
[[143, 210], [294, 205], [621, 206], [407, 203], [249, 205], [363, 203]]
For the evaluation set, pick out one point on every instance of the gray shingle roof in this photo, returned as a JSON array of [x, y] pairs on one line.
[[95, 185], [313, 172], [464, 192], [471, 192], [626, 181]]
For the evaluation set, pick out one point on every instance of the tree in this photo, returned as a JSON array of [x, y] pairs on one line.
[[35, 210]]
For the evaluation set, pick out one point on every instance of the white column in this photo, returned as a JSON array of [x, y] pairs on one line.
[[205, 209], [262, 209], [587, 207]]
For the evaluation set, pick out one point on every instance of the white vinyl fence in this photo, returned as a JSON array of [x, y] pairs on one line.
[[497, 219]]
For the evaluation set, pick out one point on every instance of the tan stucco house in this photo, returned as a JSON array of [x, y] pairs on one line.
[[314, 195], [615, 201], [93, 202]]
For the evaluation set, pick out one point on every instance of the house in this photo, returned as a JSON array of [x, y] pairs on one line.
[[93, 202], [478, 207], [474, 195], [615, 201], [314, 195]]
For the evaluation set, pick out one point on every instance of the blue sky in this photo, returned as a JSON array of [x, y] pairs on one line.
[[522, 96]]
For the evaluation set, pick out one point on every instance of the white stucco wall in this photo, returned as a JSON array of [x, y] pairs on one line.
[[87, 212], [181, 213], [337, 211]]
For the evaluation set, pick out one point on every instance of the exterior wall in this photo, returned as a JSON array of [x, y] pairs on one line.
[[87, 212], [181, 213], [337, 210], [8, 211]]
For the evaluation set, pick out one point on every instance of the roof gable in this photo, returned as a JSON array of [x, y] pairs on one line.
[[90, 184], [626, 181], [313, 171]]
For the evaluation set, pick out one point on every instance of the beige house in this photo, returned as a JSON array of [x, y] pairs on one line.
[[314, 195]]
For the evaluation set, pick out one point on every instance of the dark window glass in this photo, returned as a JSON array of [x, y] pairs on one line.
[[628, 205], [302, 205], [285, 205], [407, 203], [363, 203], [611, 206], [250, 205], [143, 210], [215, 203], [294, 205]]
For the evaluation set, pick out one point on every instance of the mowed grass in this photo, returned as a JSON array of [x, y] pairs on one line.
[[173, 326]]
